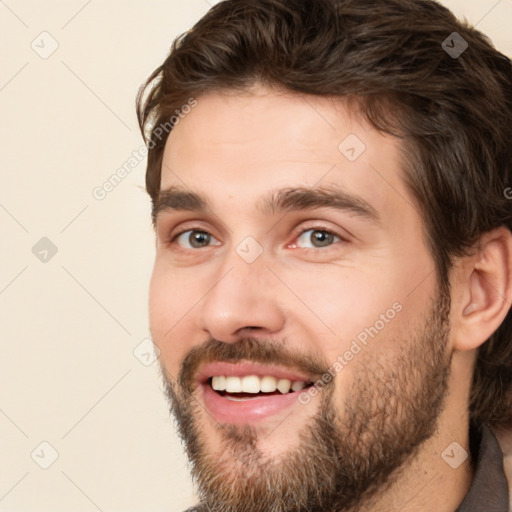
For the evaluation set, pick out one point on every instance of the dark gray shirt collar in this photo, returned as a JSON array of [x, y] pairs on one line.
[[489, 489]]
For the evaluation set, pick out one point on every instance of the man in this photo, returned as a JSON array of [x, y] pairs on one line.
[[332, 287]]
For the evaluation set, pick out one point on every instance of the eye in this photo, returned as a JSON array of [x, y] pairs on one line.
[[196, 239], [318, 238]]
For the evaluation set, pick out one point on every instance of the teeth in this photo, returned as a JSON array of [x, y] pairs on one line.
[[251, 384], [255, 384], [284, 385], [219, 383], [298, 385], [268, 384], [233, 384]]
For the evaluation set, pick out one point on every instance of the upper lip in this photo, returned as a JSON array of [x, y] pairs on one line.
[[248, 368]]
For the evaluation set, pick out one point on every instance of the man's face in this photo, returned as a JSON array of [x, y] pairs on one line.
[[331, 285]]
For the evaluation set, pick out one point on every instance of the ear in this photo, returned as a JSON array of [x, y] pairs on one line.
[[485, 290]]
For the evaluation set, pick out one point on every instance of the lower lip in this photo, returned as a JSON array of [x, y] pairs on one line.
[[252, 410]]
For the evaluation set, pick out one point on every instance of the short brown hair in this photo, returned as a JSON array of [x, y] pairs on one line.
[[452, 113]]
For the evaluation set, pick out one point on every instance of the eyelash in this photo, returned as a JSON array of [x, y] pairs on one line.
[[297, 234]]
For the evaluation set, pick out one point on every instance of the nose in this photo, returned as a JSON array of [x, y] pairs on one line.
[[242, 299]]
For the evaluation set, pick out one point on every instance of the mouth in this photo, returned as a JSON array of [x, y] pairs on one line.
[[244, 393]]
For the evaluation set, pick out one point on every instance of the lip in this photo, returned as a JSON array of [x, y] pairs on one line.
[[253, 410]]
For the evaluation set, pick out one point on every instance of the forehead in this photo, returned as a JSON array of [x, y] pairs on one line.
[[241, 145]]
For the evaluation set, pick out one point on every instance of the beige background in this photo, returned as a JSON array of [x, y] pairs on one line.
[[70, 325]]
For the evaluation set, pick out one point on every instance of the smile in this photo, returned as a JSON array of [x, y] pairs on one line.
[[252, 385], [248, 392]]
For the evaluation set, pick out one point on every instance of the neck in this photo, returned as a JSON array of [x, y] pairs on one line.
[[428, 483], [435, 479]]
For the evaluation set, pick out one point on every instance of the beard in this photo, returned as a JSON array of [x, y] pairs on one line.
[[343, 459]]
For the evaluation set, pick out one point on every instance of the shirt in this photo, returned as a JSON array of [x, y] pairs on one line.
[[489, 488]]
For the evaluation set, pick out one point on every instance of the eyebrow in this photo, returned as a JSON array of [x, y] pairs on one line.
[[175, 198]]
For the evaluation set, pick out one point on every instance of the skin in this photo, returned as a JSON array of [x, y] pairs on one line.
[[235, 149]]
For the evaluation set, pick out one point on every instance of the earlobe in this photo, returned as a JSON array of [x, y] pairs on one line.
[[488, 294]]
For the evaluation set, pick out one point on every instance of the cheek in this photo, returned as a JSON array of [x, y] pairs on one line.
[[170, 304], [172, 293], [370, 305], [342, 303], [160, 304]]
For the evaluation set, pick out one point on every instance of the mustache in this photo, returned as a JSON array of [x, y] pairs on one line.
[[247, 349]]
